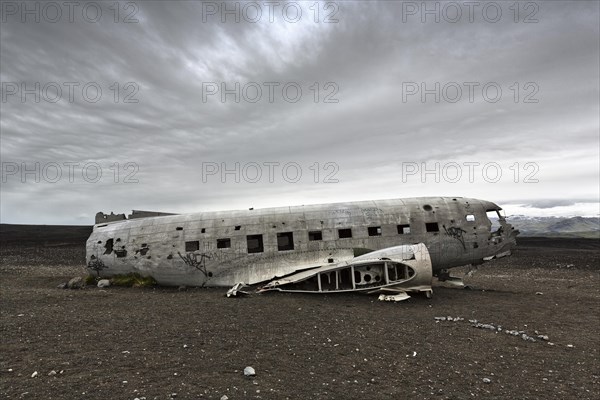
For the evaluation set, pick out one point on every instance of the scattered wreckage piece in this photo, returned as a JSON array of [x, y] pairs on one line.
[[398, 269], [236, 291], [394, 297], [453, 281]]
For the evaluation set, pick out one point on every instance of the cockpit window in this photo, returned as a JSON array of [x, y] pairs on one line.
[[495, 217]]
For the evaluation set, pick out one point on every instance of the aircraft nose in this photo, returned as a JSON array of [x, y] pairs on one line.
[[512, 232], [510, 235]]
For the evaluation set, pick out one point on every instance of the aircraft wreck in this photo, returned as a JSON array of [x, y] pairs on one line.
[[384, 246]]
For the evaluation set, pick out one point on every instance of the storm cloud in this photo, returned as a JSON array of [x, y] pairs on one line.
[[193, 106]]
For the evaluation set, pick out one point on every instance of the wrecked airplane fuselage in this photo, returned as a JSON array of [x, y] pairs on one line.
[[257, 246]]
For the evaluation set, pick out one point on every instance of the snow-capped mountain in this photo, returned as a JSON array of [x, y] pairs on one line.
[[556, 226]]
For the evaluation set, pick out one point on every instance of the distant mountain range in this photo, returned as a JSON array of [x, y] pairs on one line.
[[588, 227]]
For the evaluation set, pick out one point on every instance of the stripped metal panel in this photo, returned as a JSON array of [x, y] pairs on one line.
[[397, 269]]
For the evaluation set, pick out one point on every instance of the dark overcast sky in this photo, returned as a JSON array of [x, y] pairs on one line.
[[360, 121]]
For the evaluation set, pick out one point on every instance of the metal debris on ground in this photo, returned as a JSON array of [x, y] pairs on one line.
[[394, 297], [235, 291]]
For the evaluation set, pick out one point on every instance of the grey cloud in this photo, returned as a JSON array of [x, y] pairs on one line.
[[551, 203], [369, 133]]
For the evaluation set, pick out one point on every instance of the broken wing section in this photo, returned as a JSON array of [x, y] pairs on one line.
[[398, 269]]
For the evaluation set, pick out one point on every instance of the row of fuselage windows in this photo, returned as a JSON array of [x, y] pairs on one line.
[[285, 240]]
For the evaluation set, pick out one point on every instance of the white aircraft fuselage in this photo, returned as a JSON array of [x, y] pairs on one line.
[[252, 246]]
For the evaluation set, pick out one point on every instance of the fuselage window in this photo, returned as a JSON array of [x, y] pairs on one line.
[[432, 227], [192, 246], [255, 243], [108, 246], [285, 241], [374, 231], [223, 243], [470, 218], [345, 233], [404, 229], [315, 235]]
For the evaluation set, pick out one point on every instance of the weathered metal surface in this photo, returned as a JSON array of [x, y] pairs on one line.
[[212, 248], [236, 290], [404, 268], [394, 297]]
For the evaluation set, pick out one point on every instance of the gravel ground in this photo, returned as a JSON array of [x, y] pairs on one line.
[[164, 343]]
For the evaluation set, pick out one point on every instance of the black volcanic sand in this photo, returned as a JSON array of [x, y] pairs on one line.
[[162, 343]]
